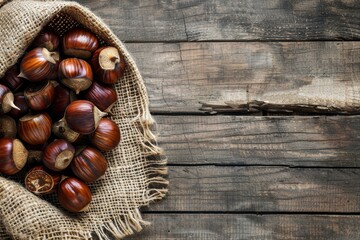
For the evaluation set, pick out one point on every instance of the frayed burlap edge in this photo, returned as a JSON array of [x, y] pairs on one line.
[[124, 225]]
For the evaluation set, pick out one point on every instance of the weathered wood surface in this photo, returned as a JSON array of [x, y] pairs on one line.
[[207, 20], [261, 189], [249, 226], [320, 141], [180, 75]]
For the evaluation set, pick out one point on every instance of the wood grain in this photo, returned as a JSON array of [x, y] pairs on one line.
[[261, 189], [180, 75], [208, 20], [248, 226], [311, 141]]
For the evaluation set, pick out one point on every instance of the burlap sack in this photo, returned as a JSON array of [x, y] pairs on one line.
[[134, 177]]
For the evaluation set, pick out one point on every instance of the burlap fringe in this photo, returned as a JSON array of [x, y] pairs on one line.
[[123, 226]]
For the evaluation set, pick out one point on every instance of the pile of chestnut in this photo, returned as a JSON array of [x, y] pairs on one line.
[[53, 108]]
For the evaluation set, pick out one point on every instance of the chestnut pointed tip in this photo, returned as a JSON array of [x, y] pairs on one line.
[[22, 75], [12, 104]]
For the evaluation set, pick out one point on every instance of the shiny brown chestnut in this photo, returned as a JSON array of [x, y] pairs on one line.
[[38, 64], [76, 74], [47, 39], [103, 96], [89, 164], [20, 102], [108, 65], [35, 129], [7, 127], [62, 130], [41, 181], [83, 116], [40, 96], [6, 100], [106, 136], [13, 156], [58, 155], [12, 80], [63, 97], [78, 42], [74, 195]]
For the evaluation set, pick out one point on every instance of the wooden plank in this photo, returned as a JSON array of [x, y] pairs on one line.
[[204, 20], [180, 75], [327, 141], [261, 189], [248, 226]]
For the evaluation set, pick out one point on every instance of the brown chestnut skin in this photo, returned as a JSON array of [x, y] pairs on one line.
[[79, 42], [103, 96], [38, 64], [35, 129], [106, 136], [83, 116], [13, 156], [20, 102], [6, 100], [47, 39], [108, 65], [40, 96], [12, 80], [41, 181], [63, 97], [7, 127], [74, 195], [76, 74], [58, 155], [89, 164]]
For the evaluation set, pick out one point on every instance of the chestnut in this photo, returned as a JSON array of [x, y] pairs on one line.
[[38, 64], [83, 116], [7, 127], [63, 97], [89, 164], [108, 65], [20, 102], [79, 42], [6, 100], [35, 129], [13, 156], [40, 96], [40, 180], [47, 39], [62, 130], [75, 74], [74, 195], [106, 136], [12, 80], [103, 96], [58, 155]]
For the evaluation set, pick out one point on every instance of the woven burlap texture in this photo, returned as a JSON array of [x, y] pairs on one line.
[[136, 167]]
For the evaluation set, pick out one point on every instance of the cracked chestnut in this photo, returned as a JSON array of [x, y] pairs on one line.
[[40, 180]]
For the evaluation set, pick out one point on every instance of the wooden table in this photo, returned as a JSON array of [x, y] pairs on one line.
[[244, 172]]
